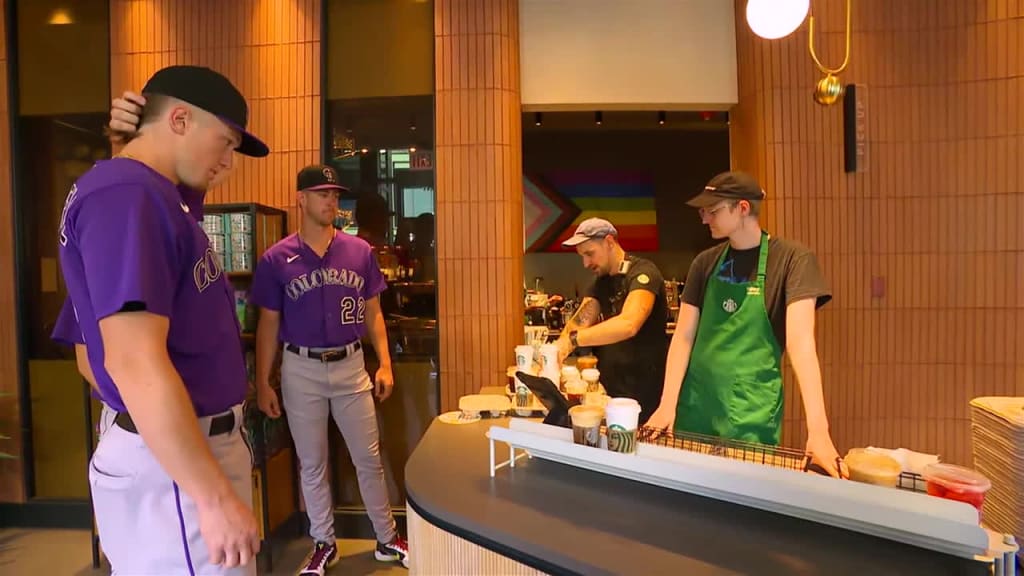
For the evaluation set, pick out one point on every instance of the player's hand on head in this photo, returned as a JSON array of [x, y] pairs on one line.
[[229, 529], [125, 113]]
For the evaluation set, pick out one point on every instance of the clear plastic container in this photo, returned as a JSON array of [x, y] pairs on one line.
[[956, 483], [873, 468]]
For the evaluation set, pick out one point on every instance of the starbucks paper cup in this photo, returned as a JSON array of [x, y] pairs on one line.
[[524, 358], [549, 361], [622, 416]]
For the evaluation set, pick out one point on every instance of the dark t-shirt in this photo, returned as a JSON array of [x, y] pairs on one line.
[[635, 367], [793, 274]]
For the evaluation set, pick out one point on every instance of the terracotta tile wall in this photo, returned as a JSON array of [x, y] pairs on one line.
[[11, 488], [935, 215], [270, 49], [479, 193]]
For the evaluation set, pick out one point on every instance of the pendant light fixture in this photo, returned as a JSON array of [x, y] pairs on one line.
[[774, 19]]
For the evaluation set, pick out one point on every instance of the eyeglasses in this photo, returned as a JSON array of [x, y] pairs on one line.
[[705, 213]]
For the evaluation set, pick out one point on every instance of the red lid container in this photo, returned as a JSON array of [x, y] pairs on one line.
[[956, 483]]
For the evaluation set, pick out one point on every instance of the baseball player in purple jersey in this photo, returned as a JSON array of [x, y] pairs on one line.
[[171, 480], [125, 114], [318, 295]]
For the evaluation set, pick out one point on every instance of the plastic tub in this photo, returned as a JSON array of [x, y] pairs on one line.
[[873, 468], [956, 483]]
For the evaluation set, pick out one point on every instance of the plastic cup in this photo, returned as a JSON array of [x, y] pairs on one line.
[[586, 424], [622, 415], [956, 483], [873, 468], [585, 362], [575, 390]]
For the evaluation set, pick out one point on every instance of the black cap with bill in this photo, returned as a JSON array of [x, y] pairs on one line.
[[734, 185], [213, 92], [318, 177]]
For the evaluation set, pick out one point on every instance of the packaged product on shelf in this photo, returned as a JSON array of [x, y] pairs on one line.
[[241, 306], [240, 242], [216, 242], [213, 224], [240, 262], [241, 223]]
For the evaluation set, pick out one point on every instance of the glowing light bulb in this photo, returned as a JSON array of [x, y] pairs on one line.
[[772, 19]]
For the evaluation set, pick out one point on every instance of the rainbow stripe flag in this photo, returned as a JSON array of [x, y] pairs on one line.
[[626, 199]]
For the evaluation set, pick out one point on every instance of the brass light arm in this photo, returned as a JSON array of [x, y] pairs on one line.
[[829, 89], [814, 55]]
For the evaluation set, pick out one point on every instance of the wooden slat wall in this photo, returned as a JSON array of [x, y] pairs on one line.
[[479, 193], [446, 553], [270, 49], [936, 214], [12, 488]]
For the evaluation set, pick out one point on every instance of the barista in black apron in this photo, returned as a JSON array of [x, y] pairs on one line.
[[623, 317]]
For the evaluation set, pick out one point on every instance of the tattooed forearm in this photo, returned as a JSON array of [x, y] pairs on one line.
[[586, 315]]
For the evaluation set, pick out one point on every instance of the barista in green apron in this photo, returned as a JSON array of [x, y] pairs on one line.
[[733, 384], [745, 302]]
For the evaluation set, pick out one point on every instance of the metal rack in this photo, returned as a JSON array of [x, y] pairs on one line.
[[776, 456]]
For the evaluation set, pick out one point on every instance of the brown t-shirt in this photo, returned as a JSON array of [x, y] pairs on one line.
[[793, 274]]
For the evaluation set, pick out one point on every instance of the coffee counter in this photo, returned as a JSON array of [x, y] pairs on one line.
[[545, 517]]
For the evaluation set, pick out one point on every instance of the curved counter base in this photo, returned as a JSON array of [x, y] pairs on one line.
[[545, 517], [449, 554]]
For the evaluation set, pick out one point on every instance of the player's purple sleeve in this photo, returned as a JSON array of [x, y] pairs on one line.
[[128, 251], [375, 281], [66, 330], [266, 292]]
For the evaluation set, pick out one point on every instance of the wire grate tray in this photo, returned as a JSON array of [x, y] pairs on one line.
[[776, 456]]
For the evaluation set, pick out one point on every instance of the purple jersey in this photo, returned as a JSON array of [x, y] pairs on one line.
[[322, 301], [129, 241], [66, 330]]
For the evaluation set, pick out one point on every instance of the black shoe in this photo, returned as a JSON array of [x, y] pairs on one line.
[[322, 557], [395, 551]]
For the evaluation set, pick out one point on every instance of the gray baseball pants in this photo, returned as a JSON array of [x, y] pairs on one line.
[[311, 391], [146, 524]]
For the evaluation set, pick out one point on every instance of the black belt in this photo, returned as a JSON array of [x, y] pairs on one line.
[[222, 424], [325, 355]]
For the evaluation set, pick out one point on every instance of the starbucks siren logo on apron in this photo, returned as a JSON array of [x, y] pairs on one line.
[[729, 306]]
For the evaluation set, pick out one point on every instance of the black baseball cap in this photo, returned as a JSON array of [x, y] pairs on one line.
[[319, 177], [734, 185], [213, 92]]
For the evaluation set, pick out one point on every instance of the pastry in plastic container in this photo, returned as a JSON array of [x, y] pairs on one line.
[[871, 467], [956, 483]]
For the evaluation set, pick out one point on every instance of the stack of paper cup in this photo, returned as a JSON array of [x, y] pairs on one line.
[[622, 415], [549, 362]]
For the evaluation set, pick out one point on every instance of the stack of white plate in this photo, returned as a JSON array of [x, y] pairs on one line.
[[997, 428]]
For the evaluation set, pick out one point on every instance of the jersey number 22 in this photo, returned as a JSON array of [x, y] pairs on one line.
[[351, 311]]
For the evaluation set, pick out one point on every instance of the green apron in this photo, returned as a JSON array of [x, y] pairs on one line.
[[733, 383]]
